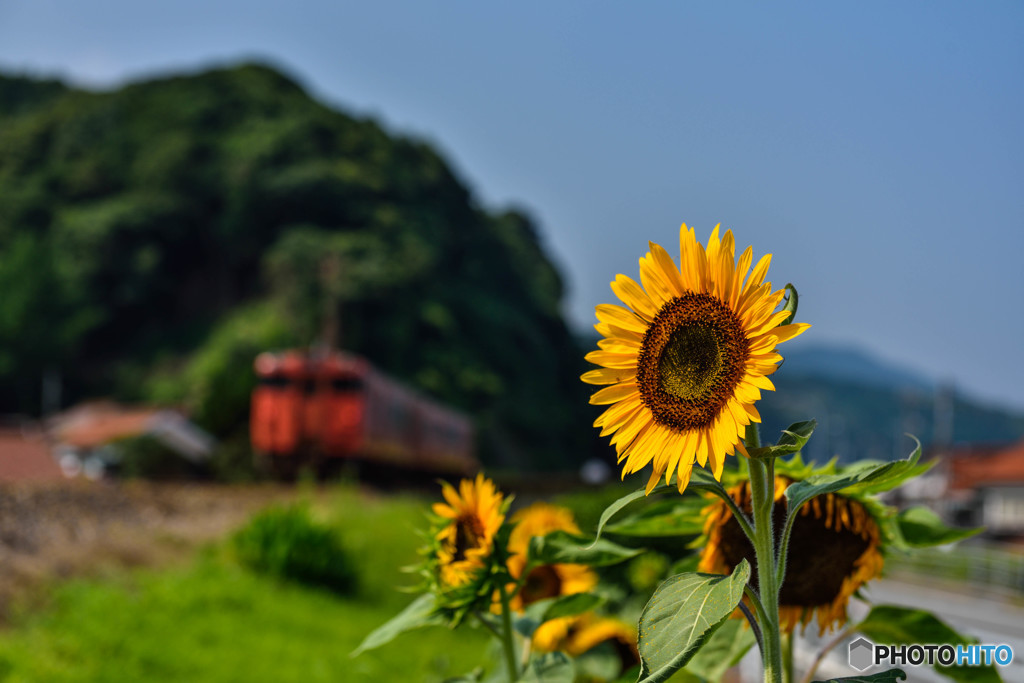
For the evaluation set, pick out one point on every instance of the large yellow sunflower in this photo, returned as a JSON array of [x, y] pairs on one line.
[[550, 580], [834, 550], [688, 357], [475, 514]]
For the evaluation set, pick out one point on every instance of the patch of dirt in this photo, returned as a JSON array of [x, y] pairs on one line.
[[74, 528]]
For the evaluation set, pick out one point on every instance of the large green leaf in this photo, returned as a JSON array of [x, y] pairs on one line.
[[721, 652], [553, 667], [677, 516], [420, 612], [894, 625], [618, 505], [922, 528], [682, 615], [560, 547], [865, 478], [890, 676], [792, 440]]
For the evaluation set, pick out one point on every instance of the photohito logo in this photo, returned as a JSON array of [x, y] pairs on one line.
[[864, 653]]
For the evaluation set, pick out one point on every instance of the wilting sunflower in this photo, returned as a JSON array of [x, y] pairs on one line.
[[475, 512], [834, 550], [688, 357], [550, 580]]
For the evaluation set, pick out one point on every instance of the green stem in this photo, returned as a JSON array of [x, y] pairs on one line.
[[780, 564], [762, 492], [755, 601], [741, 517], [506, 636], [752, 620], [787, 657]]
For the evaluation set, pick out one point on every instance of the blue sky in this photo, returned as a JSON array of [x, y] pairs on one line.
[[875, 148]]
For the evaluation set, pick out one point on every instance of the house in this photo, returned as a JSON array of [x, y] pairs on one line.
[[976, 485], [86, 436], [992, 486], [25, 455]]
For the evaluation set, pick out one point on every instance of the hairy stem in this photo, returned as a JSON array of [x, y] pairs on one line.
[[762, 491], [787, 657], [506, 640]]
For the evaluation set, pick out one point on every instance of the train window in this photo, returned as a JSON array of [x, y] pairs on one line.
[[273, 381], [309, 387], [346, 384]]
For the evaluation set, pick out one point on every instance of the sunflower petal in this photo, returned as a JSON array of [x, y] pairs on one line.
[[614, 393], [621, 317], [634, 297], [670, 274], [608, 375]]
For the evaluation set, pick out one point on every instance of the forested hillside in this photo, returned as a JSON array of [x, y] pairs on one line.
[[155, 238]]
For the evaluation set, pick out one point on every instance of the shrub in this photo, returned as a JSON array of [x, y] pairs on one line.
[[288, 543]]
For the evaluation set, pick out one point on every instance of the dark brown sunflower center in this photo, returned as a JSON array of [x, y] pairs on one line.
[[691, 359], [820, 556], [467, 536], [542, 582]]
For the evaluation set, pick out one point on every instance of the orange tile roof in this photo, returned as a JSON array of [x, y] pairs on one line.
[[26, 457], [92, 425], [1002, 468]]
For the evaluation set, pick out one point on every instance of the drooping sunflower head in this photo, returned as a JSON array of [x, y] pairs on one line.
[[688, 356], [835, 548], [549, 580], [474, 514]]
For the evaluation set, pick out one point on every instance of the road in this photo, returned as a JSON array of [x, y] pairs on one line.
[[994, 619]]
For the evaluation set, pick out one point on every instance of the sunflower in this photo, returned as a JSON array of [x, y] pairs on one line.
[[550, 580], [687, 358], [579, 634], [475, 513], [834, 550]]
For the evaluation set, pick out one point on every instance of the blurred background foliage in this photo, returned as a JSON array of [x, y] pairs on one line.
[[154, 239]]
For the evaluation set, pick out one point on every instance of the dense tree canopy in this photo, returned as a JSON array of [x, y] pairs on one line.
[[152, 239]]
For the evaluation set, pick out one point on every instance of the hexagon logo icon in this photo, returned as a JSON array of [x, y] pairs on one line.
[[861, 651]]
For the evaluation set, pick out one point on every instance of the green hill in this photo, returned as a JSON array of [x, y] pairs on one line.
[[154, 238]]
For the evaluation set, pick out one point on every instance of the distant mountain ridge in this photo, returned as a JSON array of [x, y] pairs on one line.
[[852, 364], [865, 406]]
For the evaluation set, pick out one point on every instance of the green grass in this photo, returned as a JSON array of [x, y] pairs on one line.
[[215, 621]]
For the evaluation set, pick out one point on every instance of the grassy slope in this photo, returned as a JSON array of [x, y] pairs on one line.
[[215, 621]]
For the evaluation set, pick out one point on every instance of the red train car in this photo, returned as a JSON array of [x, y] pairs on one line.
[[316, 409]]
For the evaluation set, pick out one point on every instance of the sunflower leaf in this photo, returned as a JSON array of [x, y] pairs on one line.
[[684, 612], [724, 650], [553, 667], [420, 612], [474, 676], [560, 547], [610, 511], [571, 605], [792, 300], [792, 441], [547, 609], [676, 516], [894, 625], [890, 676], [922, 528], [863, 478]]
